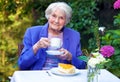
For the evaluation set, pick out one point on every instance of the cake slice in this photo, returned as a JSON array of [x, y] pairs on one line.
[[66, 68]]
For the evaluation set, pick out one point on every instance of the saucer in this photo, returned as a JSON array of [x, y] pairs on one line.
[[54, 52]]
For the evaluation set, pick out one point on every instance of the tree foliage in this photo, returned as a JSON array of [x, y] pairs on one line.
[[13, 23]]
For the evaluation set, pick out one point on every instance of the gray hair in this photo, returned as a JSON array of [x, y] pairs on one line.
[[61, 5]]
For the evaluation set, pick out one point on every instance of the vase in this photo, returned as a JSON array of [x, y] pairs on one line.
[[93, 73]]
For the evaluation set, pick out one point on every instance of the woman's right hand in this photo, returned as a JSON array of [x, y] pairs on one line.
[[42, 43]]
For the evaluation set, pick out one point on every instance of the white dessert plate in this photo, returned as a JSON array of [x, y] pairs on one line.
[[54, 52], [56, 72]]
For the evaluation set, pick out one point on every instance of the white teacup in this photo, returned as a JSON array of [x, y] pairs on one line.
[[55, 43]]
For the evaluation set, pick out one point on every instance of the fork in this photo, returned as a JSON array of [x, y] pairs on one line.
[[48, 73]]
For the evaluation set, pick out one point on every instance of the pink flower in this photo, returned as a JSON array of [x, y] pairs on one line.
[[107, 51], [116, 4]]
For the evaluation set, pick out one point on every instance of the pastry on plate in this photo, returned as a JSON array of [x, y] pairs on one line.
[[66, 68]]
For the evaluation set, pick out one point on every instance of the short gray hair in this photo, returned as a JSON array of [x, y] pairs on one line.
[[63, 6]]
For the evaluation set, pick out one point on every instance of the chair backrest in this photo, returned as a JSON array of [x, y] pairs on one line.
[[20, 47]]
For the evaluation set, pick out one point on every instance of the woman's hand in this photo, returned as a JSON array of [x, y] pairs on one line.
[[66, 55], [42, 43]]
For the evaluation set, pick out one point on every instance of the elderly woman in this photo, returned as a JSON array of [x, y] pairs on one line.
[[36, 41]]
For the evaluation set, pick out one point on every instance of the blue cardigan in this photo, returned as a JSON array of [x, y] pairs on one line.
[[28, 61]]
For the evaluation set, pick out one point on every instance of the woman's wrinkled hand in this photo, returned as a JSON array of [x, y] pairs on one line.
[[42, 43], [66, 55]]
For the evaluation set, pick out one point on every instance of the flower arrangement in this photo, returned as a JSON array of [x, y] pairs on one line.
[[97, 61], [100, 57]]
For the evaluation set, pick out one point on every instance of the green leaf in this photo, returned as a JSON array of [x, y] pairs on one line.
[[84, 58]]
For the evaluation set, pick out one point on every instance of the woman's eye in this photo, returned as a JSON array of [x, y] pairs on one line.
[[53, 16], [61, 18]]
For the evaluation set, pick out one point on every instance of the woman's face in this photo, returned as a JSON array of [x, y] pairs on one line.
[[57, 20]]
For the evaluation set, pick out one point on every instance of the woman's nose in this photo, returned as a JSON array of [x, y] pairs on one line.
[[56, 20]]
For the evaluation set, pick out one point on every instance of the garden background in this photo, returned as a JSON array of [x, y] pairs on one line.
[[88, 15]]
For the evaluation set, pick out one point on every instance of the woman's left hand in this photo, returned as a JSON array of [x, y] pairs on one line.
[[66, 55]]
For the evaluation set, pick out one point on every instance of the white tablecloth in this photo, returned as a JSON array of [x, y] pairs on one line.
[[42, 76]]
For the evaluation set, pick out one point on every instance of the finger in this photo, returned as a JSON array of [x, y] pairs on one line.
[[61, 57], [62, 49], [45, 42]]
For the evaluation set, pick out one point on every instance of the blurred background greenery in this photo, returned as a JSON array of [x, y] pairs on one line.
[[88, 15]]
